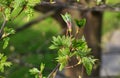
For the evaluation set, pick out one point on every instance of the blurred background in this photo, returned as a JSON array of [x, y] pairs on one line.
[[29, 47]]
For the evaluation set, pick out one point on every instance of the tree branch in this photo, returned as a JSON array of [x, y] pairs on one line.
[[53, 73], [3, 25], [29, 24], [102, 7]]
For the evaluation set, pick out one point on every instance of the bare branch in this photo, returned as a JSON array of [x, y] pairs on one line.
[[102, 7]]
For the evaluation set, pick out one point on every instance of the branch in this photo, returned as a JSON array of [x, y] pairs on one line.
[[29, 24], [3, 25], [53, 73], [102, 7]]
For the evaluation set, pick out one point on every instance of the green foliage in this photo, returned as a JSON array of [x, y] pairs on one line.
[[19, 3], [37, 72], [7, 31], [68, 47], [59, 42], [3, 62], [88, 63], [6, 40], [81, 23], [67, 19], [7, 13]]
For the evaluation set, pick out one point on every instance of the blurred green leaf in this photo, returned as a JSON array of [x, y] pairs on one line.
[[6, 42], [66, 17], [34, 71], [80, 23], [88, 63], [8, 13], [3, 62], [42, 66]]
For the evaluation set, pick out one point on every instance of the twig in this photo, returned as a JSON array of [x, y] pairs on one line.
[[3, 25], [73, 66], [54, 71], [29, 24]]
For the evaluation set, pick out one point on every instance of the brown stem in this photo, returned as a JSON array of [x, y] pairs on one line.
[[3, 25], [53, 73], [82, 71]]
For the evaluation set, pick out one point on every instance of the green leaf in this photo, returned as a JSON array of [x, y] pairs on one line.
[[8, 31], [64, 52], [19, 3], [80, 23], [8, 13], [29, 11], [62, 65], [60, 42], [42, 66], [66, 17], [87, 64], [3, 62], [63, 61], [34, 71], [33, 2], [52, 47], [6, 41]]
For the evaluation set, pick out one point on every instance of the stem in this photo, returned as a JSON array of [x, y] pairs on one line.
[[53, 73], [3, 25], [82, 71], [72, 66]]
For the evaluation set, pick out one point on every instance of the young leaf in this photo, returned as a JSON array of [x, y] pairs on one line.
[[63, 61], [42, 66], [87, 64], [34, 71], [3, 62], [8, 13], [80, 23], [6, 41]]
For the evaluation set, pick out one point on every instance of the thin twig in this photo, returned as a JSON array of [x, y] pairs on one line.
[[3, 25], [72, 66], [82, 71], [31, 23], [54, 71]]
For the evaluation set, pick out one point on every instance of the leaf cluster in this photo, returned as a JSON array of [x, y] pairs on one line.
[[3, 62], [10, 6], [38, 72], [68, 47]]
